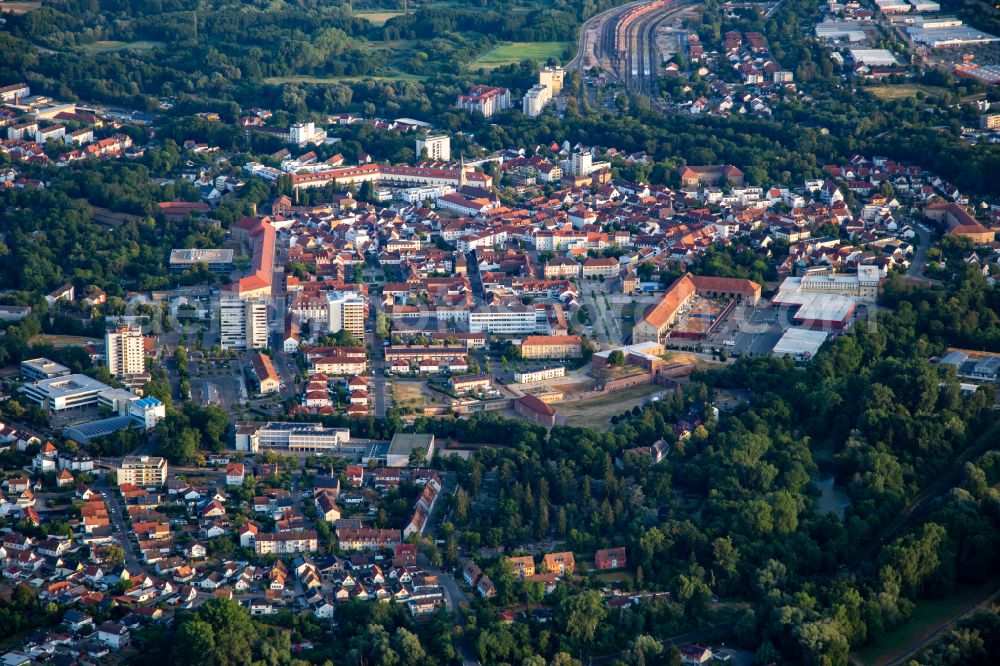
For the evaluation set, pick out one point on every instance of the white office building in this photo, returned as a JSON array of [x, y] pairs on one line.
[[253, 437], [67, 392], [125, 351], [243, 322], [438, 147], [514, 320]]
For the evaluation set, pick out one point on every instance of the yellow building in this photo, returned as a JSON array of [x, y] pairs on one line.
[[143, 471], [552, 346]]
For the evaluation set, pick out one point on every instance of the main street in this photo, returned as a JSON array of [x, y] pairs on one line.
[[377, 359]]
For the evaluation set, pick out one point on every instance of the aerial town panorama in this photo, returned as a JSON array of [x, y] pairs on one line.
[[499, 333]]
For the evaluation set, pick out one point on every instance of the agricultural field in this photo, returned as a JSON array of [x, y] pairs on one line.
[[109, 46], [377, 17], [330, 80], [515, 52], [18, 7]]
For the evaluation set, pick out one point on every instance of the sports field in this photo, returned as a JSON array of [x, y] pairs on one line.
[[890, 93], [515, 52]]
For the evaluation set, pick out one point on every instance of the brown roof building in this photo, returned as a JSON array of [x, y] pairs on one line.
[[654, 325]]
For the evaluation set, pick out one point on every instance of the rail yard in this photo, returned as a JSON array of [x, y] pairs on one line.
[[623, 42]]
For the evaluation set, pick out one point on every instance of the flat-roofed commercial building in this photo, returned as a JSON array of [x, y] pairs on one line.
[[403, 445], [217, 260], [66, 392], [846, 30], [874, 57], [292, 436], [514, 320], [143, 471], [799, 343], [37, 369]]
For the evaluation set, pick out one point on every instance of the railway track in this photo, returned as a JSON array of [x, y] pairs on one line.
[[622, 42]]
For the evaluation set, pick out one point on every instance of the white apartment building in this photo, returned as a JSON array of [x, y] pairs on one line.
[[536, 99], [531, 376], [143, 471], [583, 163], [347, 312], [438, 147], [125, 352], [243, 322], [286, 543], [302, 133]]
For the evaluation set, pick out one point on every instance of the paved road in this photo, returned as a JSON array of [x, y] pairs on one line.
[[121, 529], [919, 262], [380, 396]]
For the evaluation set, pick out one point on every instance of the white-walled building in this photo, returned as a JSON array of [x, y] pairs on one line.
[[243, 322], [536, 99], [347, 312], [438, 147], [125, 351]]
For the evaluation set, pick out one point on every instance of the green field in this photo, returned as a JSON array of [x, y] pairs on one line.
[[515, 52], [109, 46], [377, 17], [927, 616]]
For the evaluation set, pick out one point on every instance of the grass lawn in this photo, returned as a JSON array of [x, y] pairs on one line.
[[108, 46], [320, 80], [597, 412], [377, 17], [615, 576], [515, 52], [927, 616], [889, 93], [63, 340]]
